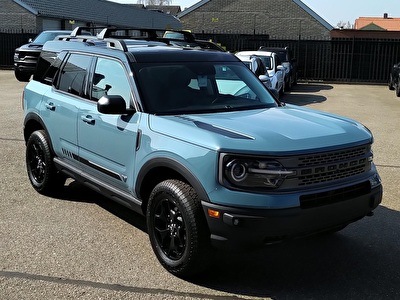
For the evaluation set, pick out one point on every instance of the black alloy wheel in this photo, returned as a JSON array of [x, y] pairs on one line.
[[170, 229], [177, 228], [39, 163]]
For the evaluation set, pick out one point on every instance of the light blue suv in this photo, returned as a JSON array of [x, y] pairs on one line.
[[194, 141]]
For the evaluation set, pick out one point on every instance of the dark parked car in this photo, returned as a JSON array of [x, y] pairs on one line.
[[26, 56], [288, 62], [394, 79]]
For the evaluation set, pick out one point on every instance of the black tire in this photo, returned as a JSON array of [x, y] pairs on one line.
[[390, 84], [42, 173], [397, 87], [177, 228], [289, 84], [21, 76]]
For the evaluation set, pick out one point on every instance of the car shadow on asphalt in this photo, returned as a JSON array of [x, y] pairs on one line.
[[304, 94], [76, 192], [360, 262]]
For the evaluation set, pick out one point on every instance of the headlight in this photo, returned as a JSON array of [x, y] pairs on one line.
[[251, 173]]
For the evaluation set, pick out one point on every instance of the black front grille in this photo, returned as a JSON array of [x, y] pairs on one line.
[[29, 54], [329, 166], [333, 157], [338, 195]]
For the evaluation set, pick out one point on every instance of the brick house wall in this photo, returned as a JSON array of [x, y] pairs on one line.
[[16, 18], [277, 18]]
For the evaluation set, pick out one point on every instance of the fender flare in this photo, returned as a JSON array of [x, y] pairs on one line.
[[175, 166], [36, 118]]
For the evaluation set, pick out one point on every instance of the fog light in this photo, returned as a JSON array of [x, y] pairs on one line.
[[375, 180]]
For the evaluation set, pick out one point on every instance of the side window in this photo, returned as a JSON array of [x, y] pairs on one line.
[[110, 79], [47, 66], [73, 76]]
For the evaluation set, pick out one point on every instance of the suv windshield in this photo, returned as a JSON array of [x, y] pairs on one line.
[[47, 36], [200, 87]]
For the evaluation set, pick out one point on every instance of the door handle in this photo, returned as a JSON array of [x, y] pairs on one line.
[[88, 119], [51, 106]]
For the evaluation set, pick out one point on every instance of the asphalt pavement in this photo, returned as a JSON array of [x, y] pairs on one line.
[[83, 246]]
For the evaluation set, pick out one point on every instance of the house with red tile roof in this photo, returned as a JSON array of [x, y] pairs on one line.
[[378, 23]]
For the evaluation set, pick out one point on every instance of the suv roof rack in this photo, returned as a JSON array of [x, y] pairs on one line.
[[119, 41], [151, 32]]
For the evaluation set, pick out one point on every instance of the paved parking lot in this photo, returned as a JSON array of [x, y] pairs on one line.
[[81, 245]]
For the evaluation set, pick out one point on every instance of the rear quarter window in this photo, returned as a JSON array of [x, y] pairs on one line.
[[47, 67]]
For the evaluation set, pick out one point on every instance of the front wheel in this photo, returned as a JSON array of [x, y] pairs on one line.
[[39, 164], [390, 84], [177, 228], [21, 76]]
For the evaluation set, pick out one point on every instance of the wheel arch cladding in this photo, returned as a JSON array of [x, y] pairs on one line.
[[32, 123], [160, 169]]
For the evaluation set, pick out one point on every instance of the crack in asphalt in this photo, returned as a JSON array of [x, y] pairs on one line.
[[388, 166], [111, 287], [13, 140]]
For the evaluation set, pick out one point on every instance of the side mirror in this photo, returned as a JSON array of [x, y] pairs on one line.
[[280, 68], [263, 78], [113, 105]]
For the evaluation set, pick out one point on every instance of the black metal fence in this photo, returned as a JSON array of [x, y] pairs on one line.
[[8, 42], [342, 60]]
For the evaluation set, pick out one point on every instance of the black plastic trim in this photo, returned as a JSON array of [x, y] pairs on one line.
[[175, 166], [99, 186]]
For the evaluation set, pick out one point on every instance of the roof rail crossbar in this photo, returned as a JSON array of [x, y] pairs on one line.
[[78, 30], [116, 44], [151, 32], [67, 38], [105, 33]]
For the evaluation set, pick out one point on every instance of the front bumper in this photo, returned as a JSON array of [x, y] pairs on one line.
[[251, 227], [25, 66]]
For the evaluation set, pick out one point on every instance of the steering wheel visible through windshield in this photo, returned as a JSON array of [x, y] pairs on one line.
[[204, 87]]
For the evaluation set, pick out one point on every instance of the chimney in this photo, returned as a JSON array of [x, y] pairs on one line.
[[385, 15]]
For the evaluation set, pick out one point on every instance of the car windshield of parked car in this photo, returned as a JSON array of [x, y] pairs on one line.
[[267, 60], [201, 87], [46, 36]]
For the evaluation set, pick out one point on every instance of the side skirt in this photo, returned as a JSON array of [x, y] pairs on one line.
[[99, 186]]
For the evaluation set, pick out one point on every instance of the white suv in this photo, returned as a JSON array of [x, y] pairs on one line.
[[275, 70]]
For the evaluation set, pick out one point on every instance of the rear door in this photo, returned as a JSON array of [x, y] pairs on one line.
[[61, 105]]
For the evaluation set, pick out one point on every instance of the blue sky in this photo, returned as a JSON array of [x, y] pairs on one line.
[[333, 11]]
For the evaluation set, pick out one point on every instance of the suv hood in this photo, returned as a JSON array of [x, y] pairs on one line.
[[30, 47], [278, 131]]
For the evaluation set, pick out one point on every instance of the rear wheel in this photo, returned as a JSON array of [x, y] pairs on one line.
[[177, 228], [39, 163]]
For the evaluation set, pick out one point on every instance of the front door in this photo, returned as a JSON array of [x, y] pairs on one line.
[[107, 143]]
